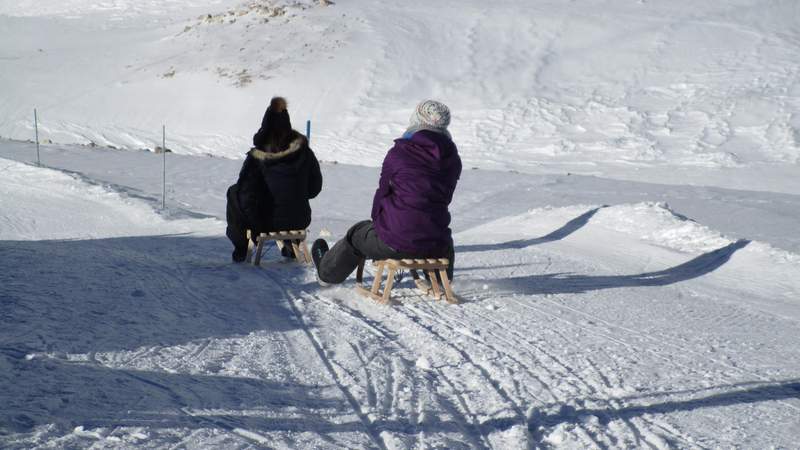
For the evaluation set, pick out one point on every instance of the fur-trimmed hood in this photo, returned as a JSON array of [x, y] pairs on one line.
[[297, 144], [274, 187]]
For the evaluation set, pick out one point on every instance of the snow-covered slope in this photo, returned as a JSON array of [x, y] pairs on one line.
[[533, 85], [47, 204], [593, 323], [625, 226]]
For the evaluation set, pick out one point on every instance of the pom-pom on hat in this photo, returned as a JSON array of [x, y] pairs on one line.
[[430, 115]]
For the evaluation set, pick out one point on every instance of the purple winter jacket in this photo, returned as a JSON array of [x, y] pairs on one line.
[[418, 178]]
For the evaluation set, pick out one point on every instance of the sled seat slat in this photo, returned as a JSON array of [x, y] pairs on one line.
[[420, 264]]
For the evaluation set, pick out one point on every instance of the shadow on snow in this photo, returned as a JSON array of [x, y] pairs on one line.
[[45, 390], [126, 293], [95, 396], [558, 283], [568, 228], [783, 390]]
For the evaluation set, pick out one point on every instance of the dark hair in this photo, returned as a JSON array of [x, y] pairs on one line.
[[276, 127]]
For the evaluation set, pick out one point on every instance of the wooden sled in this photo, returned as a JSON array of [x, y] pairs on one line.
[[298, 238], [430, 266]]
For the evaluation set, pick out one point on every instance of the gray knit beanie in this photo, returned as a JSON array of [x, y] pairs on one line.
[[430, 115]]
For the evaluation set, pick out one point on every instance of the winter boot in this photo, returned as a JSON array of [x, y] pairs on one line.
[[287, 251], [239, 254], [318, 250]]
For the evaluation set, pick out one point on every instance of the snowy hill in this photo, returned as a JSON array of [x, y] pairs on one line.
[[590, 84], [625, 226]]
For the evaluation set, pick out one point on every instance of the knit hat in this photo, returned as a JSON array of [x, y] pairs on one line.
[[430, 115], [276, 123]]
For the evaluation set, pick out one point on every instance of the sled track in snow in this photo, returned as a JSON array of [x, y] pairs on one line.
[[483, 370], [590, 388], [670, 433], [429, 322], [522, 343], [644, 337], [473, 431], [468, 426], [471, 427], [291, 299]]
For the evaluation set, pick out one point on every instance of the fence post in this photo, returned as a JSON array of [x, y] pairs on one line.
[[36, 127], [164, 167], [308, 130]]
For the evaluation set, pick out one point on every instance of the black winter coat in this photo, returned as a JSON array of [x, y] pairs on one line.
[[273, 189]]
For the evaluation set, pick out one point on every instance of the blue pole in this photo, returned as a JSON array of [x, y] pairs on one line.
[[36, 127], [308, 130]]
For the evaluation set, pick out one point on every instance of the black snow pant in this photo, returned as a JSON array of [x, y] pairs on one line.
[[237, 224], [363, 242]]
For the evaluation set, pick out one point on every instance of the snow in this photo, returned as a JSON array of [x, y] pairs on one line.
[[587, 85], [625, 227]]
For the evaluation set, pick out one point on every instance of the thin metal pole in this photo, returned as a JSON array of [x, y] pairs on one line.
[[164, 173], [36, 127], [308, 130]]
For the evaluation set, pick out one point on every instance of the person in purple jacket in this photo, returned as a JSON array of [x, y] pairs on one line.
[[410, 218]]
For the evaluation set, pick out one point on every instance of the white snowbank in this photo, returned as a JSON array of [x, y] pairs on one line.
[[655, 223], [40, 203]]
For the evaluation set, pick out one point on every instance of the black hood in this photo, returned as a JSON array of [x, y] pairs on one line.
[[290, 159]]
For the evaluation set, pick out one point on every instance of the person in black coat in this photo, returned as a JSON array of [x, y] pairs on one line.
[[279, 176]]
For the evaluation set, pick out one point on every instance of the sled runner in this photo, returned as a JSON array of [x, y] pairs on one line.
[[297, 237], [429, 266]]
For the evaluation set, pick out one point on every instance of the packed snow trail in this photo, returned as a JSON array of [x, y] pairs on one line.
[[576, 370], [592, 325]]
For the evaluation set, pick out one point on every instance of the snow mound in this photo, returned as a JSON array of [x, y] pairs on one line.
[[537, 222], [652, 223], [657, 224], [40, 203]]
